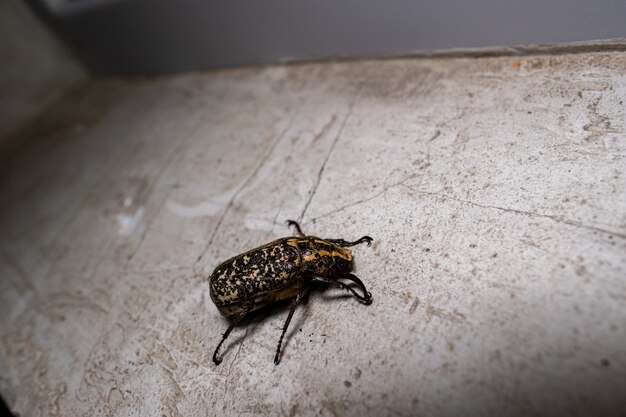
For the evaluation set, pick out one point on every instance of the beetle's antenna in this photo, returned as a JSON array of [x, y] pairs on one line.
[[216, 359], [297, 226], [292, 309], [346, 244], [366, 298]]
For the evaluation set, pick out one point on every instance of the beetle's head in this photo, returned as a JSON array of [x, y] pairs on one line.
[[324, 258]]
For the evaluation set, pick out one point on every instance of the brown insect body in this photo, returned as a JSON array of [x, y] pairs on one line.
[[274, 272], [281, 270]]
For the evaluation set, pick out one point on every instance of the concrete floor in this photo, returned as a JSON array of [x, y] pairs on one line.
[[495, 190]]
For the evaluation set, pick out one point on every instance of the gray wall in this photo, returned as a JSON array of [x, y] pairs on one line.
[[35, 69], [154, 36]]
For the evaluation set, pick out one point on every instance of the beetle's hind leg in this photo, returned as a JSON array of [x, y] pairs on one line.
[[297, 226], [346, 244], [292, 309], [216, 359]]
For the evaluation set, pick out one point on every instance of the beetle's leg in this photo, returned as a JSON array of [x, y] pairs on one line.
[[342, 286], [366, 298], [216, 359], [346, 244], [295, 223], [292, 309]]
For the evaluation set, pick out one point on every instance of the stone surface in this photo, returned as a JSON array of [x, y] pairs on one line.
[[494, 188]]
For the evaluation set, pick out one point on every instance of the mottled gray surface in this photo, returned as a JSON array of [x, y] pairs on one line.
[[495, 191]]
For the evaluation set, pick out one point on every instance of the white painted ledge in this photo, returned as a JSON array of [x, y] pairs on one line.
[[494, 189]]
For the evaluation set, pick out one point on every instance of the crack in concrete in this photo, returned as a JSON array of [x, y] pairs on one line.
[[26, 285], [324, 130], [355, 203], [63, 229], [274, 222], [389, 187], [13, 263], [330, 150], [247, 181], [523, 212], [364, 200], [243, 339], [232, 364], [169, 160]]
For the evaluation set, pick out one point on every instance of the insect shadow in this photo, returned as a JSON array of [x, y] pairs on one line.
[[277, 310]]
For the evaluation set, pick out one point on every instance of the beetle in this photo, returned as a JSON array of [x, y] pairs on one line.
[[282, 270]]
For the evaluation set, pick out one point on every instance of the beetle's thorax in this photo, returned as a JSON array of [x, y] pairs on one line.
[[321, 257]]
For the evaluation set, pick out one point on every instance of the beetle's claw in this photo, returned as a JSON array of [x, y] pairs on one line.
[[296, 225], [366, 239], [365, 299]]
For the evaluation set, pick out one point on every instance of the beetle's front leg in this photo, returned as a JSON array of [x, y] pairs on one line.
[[292, 309], [346, 244], [216, 359], [366, 298], [297, 226]]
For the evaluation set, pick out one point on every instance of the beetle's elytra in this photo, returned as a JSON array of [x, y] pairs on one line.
[[281, 270]]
